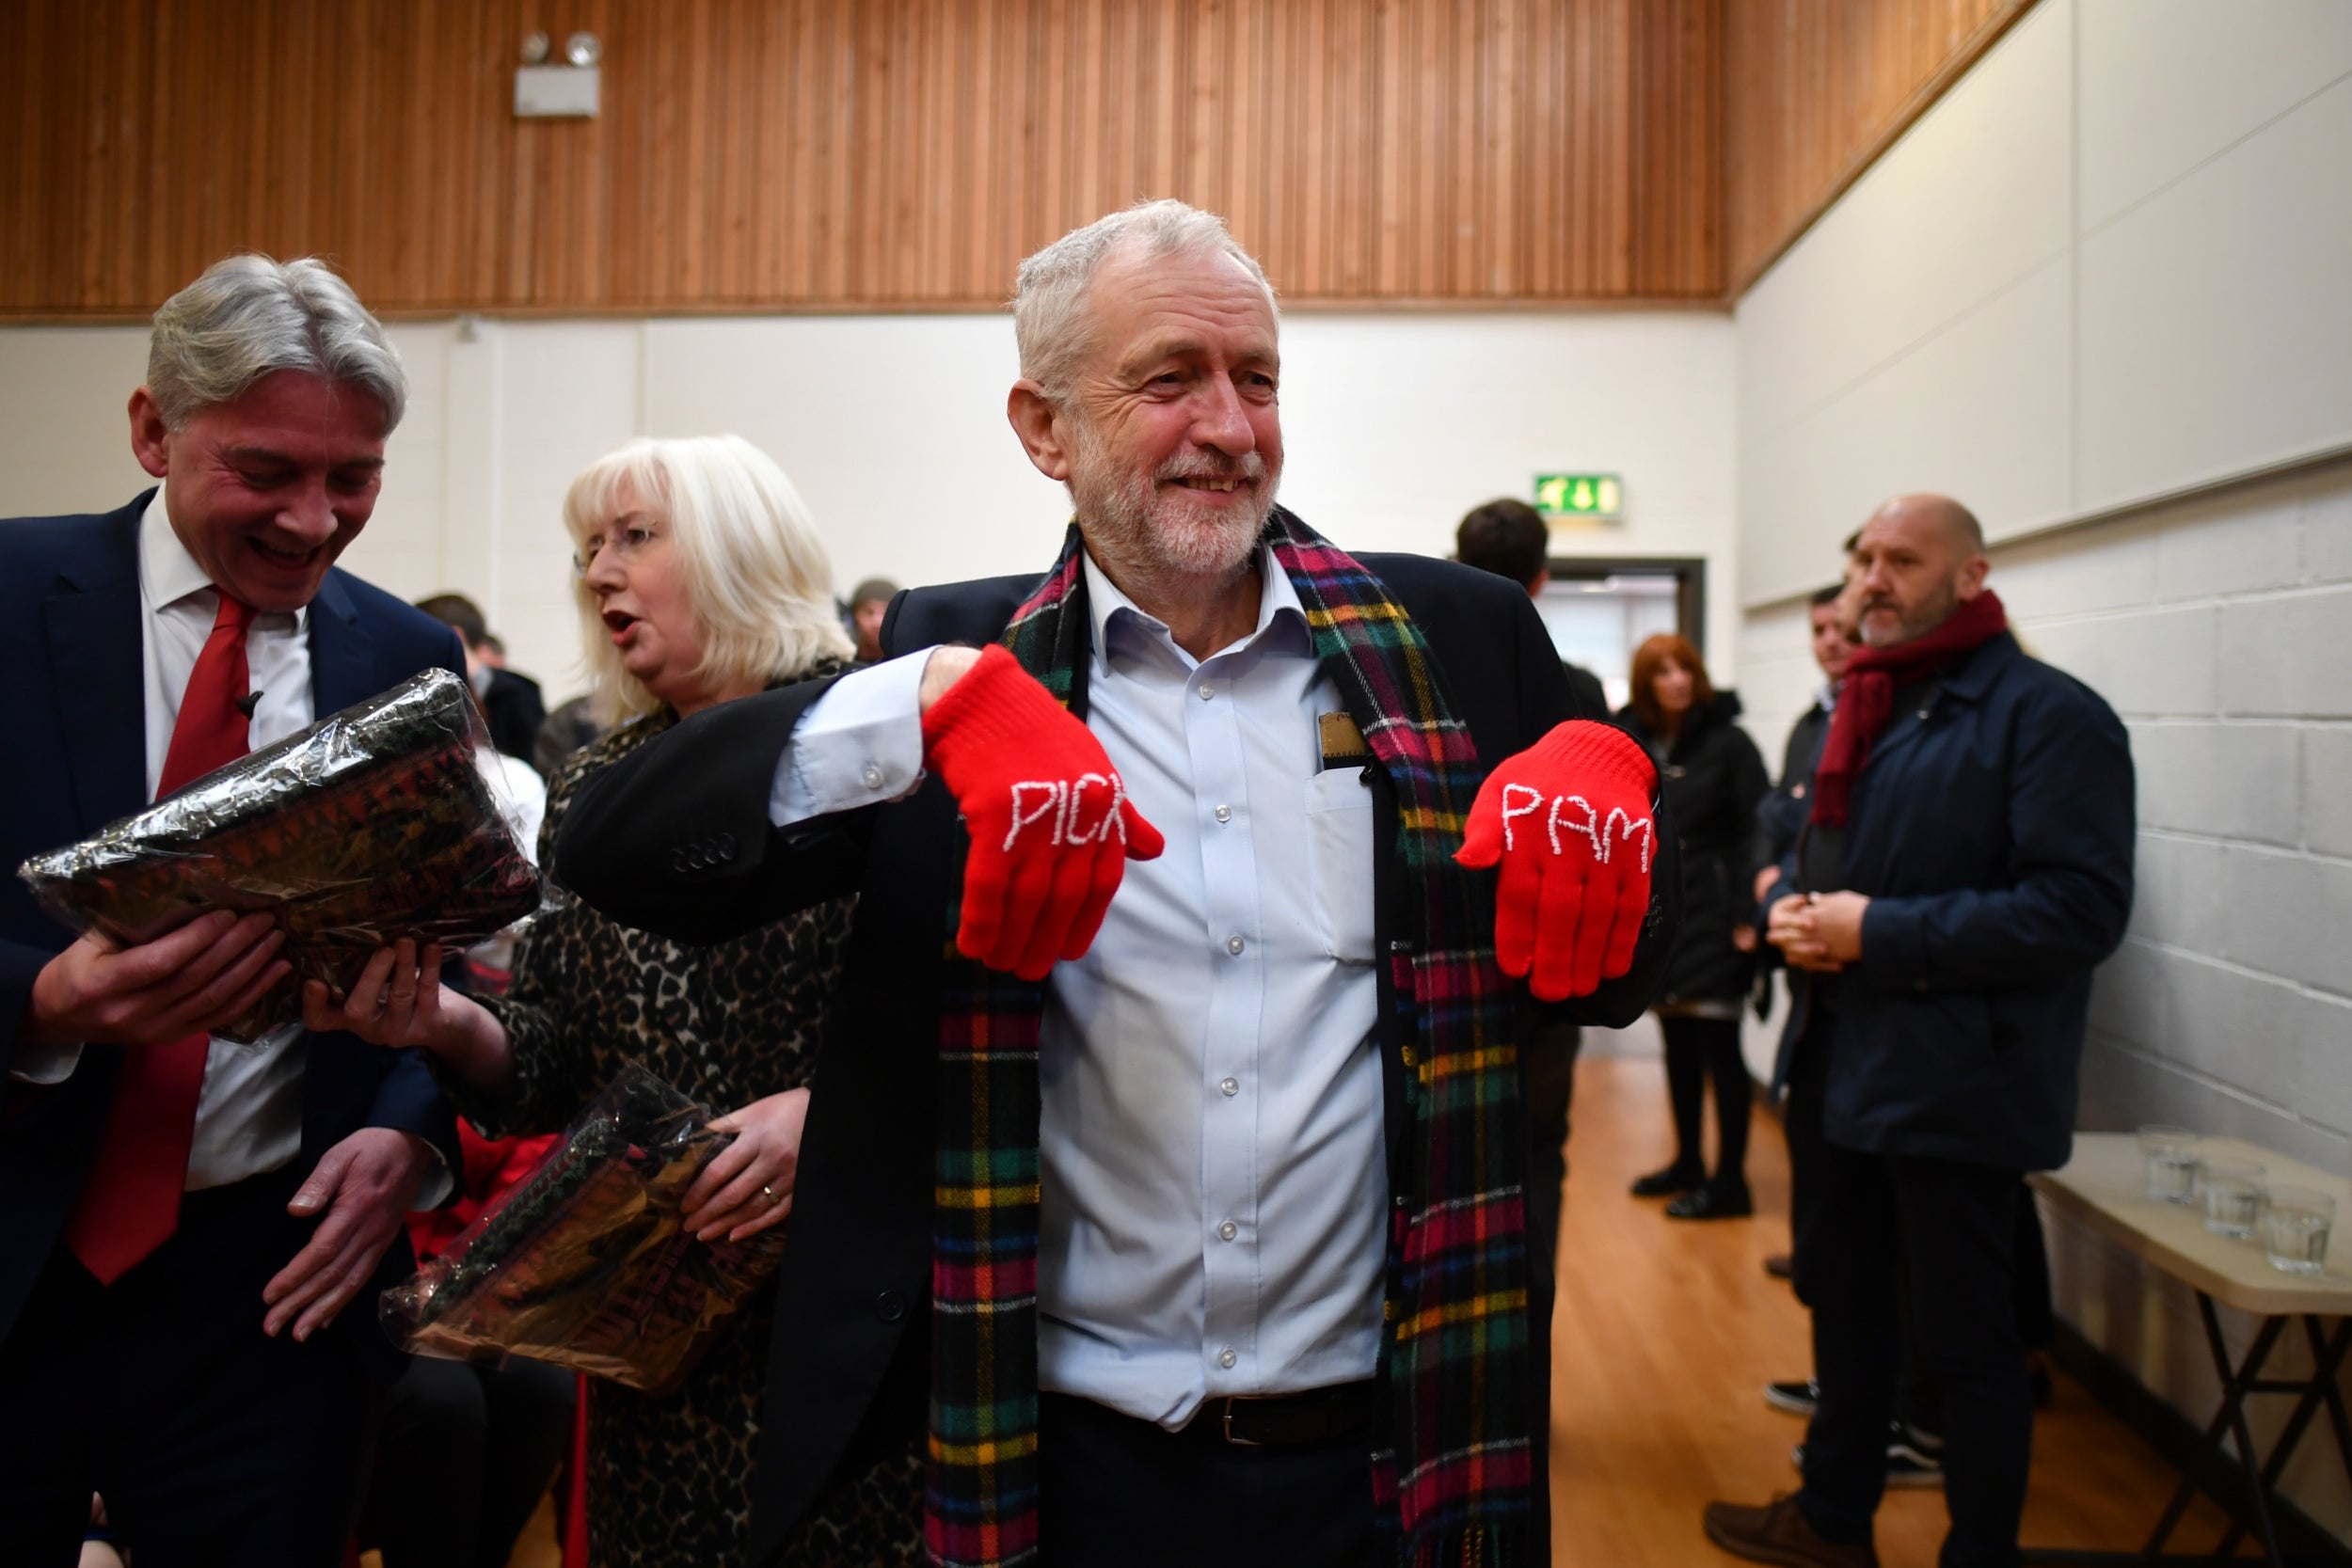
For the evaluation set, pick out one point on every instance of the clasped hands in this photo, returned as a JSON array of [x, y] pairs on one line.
[[1568, 821], [1818, 931]]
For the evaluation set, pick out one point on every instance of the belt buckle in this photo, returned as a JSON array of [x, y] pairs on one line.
[[1229, 1401]]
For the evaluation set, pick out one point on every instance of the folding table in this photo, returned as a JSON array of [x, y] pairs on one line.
[[2104, 1187]]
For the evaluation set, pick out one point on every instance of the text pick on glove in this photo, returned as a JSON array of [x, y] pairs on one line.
[[1568, 820], [1052, 827]]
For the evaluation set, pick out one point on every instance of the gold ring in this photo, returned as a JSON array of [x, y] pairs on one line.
[[770, 1192]]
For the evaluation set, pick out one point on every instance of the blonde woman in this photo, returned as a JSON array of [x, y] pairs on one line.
[[701, 579]]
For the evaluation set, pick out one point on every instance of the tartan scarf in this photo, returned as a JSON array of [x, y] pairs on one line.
[[1452, 1479]]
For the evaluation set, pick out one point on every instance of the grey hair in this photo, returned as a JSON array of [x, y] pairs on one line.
[[248, 316], [1049, 302]]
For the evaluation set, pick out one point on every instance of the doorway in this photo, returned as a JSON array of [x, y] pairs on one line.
[[1599, 610]]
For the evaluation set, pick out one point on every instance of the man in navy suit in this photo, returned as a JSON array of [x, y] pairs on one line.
[[181, 1216]]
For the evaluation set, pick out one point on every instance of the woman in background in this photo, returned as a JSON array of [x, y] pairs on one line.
[[1711, 779], [701, 579]]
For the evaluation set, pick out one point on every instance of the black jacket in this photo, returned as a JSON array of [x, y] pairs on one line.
[[515, 710], [1711, 780], [1993, 829], [676, 839]]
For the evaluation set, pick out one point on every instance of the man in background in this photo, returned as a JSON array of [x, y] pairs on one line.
[[1779, 818], [512, 703], [182, 1217], [1508, 538], [1965, 863], [1781, 815]]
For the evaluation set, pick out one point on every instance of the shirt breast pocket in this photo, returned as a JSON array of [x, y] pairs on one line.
[[1339, 862]]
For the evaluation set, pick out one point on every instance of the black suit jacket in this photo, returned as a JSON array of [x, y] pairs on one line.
[[676, 839], [74, 711], [514, 709]]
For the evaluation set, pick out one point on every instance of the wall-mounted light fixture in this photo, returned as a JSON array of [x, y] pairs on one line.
[[544, 91]]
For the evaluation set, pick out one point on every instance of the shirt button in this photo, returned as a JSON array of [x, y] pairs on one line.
[[1227, 1358], [1229, 1230], [1224, 813], [873, 776], [1231, 1086], [1207, 691], [1234, 946]]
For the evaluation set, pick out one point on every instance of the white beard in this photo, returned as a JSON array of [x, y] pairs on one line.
[[1160, 532]]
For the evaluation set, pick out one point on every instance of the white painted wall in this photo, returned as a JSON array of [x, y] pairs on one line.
[[894, 428], [2108, 265], [2108, 269]]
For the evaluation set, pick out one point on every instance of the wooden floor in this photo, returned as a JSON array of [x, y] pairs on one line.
[[1666, 1333]]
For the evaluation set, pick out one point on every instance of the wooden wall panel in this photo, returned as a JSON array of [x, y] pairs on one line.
[[859, 154], [1814, 90]]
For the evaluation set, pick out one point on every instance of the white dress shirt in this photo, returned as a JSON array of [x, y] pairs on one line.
[[1214, 1181], [248, 1115]]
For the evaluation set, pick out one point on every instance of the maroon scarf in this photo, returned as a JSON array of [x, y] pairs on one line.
[[1865, 699]]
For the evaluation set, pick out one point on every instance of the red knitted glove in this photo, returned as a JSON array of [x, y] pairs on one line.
[[1569, 821], [1052, 827]]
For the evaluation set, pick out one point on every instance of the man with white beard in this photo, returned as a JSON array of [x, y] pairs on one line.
[[1210, 1165]]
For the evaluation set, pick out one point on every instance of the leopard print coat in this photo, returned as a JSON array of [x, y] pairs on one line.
[[669, 1480]]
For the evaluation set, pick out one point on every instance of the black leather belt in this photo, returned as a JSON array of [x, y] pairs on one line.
[[1293, 1420]]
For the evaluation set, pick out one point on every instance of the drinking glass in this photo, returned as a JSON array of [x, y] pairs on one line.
[[2234, 1196], [2170, 1167], [2296, 1222]]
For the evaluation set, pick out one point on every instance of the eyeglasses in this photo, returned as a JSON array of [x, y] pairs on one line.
[[628, 541]]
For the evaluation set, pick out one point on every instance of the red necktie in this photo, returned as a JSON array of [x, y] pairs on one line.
[[132, 1200]]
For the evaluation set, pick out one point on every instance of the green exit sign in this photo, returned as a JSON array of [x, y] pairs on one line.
[[1598, 496]]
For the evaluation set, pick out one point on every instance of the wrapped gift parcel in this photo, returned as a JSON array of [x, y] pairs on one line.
[[588, 1263], [374, 824]]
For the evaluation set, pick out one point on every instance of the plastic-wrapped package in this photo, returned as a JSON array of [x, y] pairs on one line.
[[588, 1263], [374, 824]]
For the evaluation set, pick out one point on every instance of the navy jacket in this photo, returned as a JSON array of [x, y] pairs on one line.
[[1993, 830], [74, 711]]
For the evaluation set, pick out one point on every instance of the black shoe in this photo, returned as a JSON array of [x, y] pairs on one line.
[[1665, 1183], [1781, 1266], [1915, 1458], [1712, 1202], [1798, 1396]]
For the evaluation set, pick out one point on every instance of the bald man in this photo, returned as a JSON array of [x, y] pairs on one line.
[[1967, 861]]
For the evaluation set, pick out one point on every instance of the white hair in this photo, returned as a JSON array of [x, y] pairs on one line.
[[248, 316], [1049, 317], [758, 582]]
